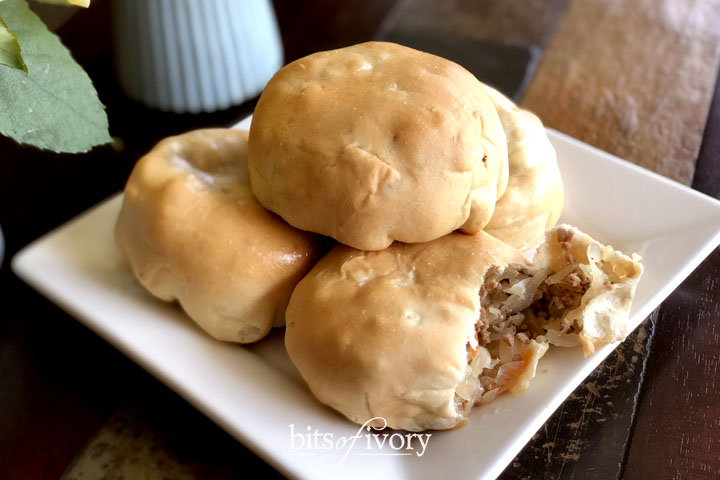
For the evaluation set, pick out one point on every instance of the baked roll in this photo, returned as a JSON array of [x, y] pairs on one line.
[[193, 232], [419, 334], [377, 142], [533, 200]]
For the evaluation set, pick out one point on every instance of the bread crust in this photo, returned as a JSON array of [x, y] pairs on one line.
[[377, 142], [397, 333], [386, 333], [534, 199], [193, 232]]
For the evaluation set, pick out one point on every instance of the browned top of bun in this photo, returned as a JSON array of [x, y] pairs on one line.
[[377, 142]]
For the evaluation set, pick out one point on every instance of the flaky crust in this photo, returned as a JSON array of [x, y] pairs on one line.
[[385, 333], [377, 142], [193, 231], [533, 200]]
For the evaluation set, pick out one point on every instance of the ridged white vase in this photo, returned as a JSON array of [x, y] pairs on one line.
[[195, 55]]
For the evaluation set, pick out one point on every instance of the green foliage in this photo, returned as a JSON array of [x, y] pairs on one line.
[[79, 3], [53, 106], [10, 54]]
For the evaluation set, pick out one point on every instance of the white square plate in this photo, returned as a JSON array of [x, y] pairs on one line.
[[255, 393]]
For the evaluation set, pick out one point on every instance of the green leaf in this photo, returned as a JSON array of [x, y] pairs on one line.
[[79, 3], [54, 106], [10, 53]]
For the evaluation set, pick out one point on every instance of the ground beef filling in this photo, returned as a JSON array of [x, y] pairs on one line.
[[522, 311], [517, 306], [557, 299]]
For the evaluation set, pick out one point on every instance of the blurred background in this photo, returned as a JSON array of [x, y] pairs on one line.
[[633, 77], [126, 46]]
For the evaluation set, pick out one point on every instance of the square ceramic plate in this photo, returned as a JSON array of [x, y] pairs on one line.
[[256, 394]]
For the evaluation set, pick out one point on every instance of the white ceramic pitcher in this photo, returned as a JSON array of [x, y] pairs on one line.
[[195, 55]]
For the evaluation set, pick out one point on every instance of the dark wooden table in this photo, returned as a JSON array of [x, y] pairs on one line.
[[633, 77]]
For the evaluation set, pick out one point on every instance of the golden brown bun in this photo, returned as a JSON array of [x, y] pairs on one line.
[[419, 333], [386, 333], [533, 200], [377, 142], [193, 231]]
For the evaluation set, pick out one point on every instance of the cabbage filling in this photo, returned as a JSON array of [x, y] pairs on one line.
[[523, 310]]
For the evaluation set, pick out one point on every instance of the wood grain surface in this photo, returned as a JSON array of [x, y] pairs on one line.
[[634, 78], [499, 41], [677, 430], [521, 23], [586, 437]]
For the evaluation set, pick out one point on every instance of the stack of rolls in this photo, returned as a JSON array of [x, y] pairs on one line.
[[431, 183]]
